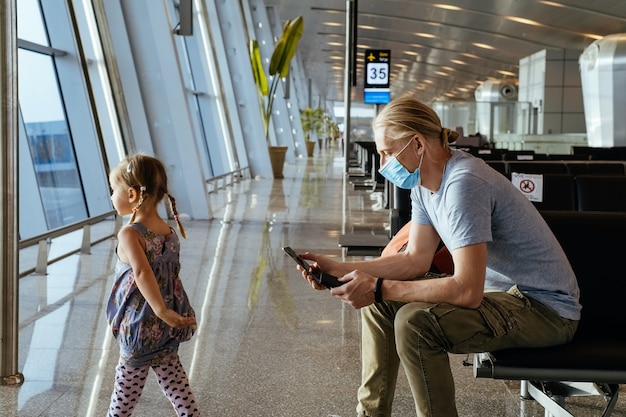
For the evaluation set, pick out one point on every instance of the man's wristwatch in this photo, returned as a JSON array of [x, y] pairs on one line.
[[378, 290]]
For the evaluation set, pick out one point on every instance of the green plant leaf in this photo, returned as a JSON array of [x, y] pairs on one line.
[[284, 51], [286, 47], [257, 68]]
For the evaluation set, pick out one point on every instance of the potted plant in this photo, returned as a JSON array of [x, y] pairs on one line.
[[332, 129], [284, 51], [312, 121]]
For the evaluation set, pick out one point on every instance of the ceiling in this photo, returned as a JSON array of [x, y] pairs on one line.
[[443, 51]]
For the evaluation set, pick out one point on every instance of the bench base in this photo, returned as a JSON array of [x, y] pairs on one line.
[[551, 395]]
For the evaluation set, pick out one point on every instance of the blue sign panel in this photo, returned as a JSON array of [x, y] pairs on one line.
[[376, 95], [376, 83]]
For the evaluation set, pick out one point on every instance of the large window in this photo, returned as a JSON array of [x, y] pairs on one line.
[[62, 176], [49, 140], [197, 57]]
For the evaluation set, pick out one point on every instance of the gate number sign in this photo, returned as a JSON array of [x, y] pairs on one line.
[[376, 86], [377, 68]]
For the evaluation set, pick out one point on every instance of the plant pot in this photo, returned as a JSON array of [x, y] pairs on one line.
[[277, 158], [310, 147]]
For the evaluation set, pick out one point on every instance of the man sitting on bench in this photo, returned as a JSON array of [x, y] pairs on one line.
[[512, 285]]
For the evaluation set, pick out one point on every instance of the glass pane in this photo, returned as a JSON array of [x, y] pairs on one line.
[[30, 26], [49, 140]]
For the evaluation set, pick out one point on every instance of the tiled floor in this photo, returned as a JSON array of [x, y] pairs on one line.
[[267, 344]]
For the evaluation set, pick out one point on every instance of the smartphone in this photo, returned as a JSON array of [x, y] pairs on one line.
[[322, 278]]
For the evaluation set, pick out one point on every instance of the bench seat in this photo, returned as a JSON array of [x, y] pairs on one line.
[[594, 362], [580, 360]]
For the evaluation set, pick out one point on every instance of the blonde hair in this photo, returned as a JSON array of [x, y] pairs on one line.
[[406, 116], [147, 175]]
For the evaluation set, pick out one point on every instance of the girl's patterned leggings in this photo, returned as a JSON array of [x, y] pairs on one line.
[[172, 379]]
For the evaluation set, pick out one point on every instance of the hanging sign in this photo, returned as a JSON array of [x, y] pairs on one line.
[[376, 85]]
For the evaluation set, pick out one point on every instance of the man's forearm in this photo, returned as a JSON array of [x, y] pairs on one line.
[[399, 266]]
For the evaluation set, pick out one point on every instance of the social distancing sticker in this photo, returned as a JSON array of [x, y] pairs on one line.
[[531, 185]]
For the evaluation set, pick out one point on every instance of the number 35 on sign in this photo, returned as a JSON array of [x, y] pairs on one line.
[[377, 68], [378, 73]]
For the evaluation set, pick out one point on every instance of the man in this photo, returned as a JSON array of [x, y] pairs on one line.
[[512, 284]]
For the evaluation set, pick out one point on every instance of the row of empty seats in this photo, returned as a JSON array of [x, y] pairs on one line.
[[364, 162], [579, 153], [573, 185], [583, 192], [559, 167]]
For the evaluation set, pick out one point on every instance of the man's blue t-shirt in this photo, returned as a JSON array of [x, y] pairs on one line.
[[476, 204]]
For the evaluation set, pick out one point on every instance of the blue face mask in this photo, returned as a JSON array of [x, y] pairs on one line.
[[398, 175]]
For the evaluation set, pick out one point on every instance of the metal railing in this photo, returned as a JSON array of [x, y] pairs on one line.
[[42, 240], [221, 181]]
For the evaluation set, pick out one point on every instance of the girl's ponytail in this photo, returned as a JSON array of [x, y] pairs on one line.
[[172, 201]]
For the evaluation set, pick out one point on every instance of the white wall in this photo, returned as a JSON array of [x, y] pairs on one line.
[[550, 81]]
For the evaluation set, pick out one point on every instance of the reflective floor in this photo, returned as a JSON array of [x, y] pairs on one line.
[[267, 344]]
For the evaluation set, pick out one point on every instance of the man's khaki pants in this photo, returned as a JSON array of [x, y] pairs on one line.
[[420, 336]]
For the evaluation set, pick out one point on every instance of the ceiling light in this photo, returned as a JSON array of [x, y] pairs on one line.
[[535, 23], [552, 3], [447, 6], [512, 74], [482, 45], [522, 20]]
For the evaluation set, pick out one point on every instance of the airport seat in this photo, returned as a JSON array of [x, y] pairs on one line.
[[488, 154], [594, 362], [401, 211], [559, 193], [519, 155], [532, 167], [598, 192], [596, 167], [616, 153], [499, 166], [567, 157], [364, 172]]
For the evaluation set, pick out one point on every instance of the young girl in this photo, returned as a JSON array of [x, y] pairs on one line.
[[148, 308]]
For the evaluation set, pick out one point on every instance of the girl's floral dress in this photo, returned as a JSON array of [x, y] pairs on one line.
[[145, 339]]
